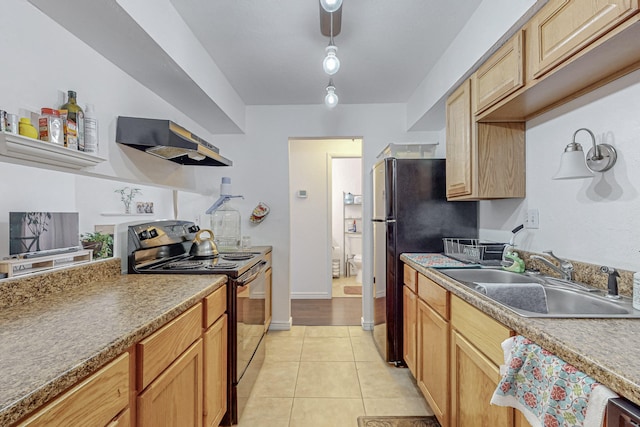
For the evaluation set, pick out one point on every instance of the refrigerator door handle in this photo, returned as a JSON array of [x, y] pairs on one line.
[[386, 221]]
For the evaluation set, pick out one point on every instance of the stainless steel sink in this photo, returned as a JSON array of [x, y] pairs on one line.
[[564, 299]]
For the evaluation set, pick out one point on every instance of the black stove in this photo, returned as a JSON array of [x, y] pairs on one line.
[[162, 247]]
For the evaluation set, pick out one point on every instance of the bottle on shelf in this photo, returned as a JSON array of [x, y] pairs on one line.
[[90, 130], [75, 118]]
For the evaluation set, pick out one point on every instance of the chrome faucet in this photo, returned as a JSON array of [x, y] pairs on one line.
[[565, 270]]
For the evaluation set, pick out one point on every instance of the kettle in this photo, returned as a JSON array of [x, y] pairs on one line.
[[203, 248]]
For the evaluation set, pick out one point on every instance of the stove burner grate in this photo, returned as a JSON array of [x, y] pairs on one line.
[[184, 265]]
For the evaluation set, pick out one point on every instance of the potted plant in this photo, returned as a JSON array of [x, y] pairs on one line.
[[101, 244], [127, 194]]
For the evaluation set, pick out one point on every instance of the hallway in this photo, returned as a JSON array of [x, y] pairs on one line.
[[317, 376]]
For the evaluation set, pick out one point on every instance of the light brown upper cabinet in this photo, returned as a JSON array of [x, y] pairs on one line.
[[460, 153], [484, 160], [501, 75], [563, 27]]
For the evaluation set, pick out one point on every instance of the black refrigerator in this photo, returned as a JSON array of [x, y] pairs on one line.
[[410, 214]]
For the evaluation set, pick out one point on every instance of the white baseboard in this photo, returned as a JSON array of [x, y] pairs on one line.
[[367, 326], [310, 295], [281, 326]]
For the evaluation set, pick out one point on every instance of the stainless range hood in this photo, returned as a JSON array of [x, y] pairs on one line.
[[165, 139]]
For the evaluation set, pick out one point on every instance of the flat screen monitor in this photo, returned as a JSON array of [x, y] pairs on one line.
[[43, 232]]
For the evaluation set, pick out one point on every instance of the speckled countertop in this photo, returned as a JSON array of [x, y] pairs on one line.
[[606, 349], [56, 329]]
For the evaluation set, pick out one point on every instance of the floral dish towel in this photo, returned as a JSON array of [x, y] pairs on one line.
[[546, 389]]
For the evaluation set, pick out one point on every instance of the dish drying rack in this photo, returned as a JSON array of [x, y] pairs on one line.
[[473, 251]]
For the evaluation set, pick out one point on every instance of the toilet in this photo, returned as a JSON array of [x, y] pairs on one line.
[[355, 264]]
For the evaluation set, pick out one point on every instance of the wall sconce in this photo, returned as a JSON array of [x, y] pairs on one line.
[[600, 158], [331, 99]]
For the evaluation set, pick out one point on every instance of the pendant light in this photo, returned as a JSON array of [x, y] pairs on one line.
[[331, 63], [331, 5], [331, 99]]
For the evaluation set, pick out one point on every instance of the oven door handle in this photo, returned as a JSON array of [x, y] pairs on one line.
[[258, 269]]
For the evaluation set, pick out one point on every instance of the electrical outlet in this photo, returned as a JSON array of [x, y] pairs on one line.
[[533, 219]]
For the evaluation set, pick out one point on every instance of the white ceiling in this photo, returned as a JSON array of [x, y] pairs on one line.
[[271, 51]]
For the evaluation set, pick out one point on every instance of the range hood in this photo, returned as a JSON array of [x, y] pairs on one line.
[[167, 140]]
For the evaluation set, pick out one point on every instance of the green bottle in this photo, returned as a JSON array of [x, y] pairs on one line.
[[75, 114]]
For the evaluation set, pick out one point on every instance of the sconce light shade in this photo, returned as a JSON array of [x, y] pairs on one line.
[[331, 63], [572, 164], [600, 158], [331, 5], [331, 99]]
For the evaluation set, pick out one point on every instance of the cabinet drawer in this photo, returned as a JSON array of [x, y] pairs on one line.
[[435, 295], [215, 305], [500, 75], [410, 277], [481, 330], [94, 402], [158, 351]]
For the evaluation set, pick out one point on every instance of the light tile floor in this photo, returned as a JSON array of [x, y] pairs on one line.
[[317, 376]]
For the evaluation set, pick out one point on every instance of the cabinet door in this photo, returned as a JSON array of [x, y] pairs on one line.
[[500, 75], [564, 27], [433, 361], [93, 402], [267, 299], [123, 420], [215, 372], [460, 155], [174, 399], [409, 330], [473, 380]]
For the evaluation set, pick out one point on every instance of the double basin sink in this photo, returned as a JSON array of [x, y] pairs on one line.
[[560, 298]]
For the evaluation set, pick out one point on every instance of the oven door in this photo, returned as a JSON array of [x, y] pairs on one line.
[[250, 321]]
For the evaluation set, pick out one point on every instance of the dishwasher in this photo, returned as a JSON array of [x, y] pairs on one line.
[[622, 413]]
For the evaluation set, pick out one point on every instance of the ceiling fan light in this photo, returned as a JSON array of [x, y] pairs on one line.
[[331, 5], [331, 99], [331, 63]]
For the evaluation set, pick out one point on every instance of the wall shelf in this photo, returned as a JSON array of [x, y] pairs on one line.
[[22, 266], [34, 150]]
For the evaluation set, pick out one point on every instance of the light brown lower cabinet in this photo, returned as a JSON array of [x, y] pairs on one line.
[[174, 399], [215, 372], [433, 362], [175, 377], [409, 328], [123, 420], [473, 380], [458, 356], [96, 401]]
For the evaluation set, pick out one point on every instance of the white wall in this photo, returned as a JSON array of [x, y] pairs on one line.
[[310, 218], [591, 220]]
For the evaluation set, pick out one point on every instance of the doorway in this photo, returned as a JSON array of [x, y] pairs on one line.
[[346, 227], [311, 242]]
